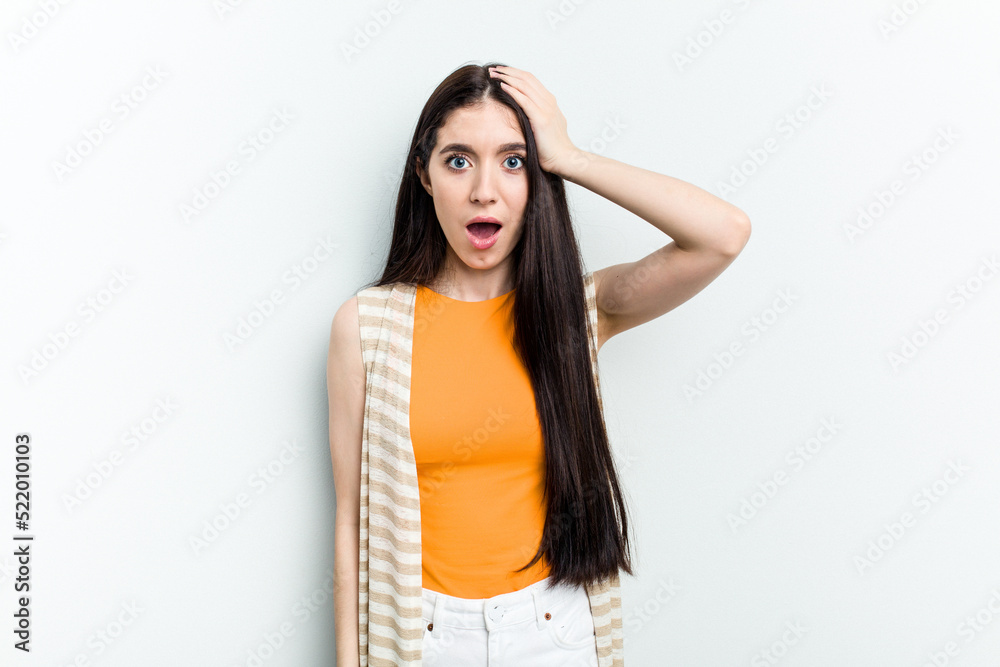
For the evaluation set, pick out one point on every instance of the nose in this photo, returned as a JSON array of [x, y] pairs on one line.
[[484, 189]]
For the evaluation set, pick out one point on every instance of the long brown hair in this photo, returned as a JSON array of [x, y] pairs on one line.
[[585, 538]]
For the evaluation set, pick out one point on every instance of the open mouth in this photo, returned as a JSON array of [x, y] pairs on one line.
[[483, 234], [483, 230]]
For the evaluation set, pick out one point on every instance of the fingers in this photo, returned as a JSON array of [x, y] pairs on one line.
[[513, 88], [522, 80], [526, 103], [535, 105]]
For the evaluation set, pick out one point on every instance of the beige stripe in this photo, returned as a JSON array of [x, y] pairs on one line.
[[601, 611], [385, 481], [393, 399], [383, 539], [383, 431], [387, 387], [388, 391], [385, 618], [403, 510], [384, 592], [388, 651], [390, 624], [398, 372], [401, 559], [390, 465], [384, 435]]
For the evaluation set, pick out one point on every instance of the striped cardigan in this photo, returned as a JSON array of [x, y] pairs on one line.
[[390, 575]]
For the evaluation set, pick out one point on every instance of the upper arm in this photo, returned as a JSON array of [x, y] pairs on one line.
[[345, 382], [633, 293]]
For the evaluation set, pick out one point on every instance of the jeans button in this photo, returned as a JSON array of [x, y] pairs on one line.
[[496, 613]]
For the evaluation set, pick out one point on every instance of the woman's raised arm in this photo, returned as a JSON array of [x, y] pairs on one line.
[[708, 232]]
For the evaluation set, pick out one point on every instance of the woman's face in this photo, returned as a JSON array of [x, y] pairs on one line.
[[478, 168]]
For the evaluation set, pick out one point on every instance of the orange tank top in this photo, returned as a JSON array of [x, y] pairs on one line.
[[478, 448]]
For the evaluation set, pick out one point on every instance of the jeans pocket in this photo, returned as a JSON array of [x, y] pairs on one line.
[[428, 657], [572, 625]]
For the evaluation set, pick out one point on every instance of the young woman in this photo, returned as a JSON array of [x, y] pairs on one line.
[[479, 515]]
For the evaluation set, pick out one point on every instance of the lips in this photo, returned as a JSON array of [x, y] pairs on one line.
[[482, 235], [483, 231]]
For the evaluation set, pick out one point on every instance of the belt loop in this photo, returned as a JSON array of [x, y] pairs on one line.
[[539, 609], [436, 617]]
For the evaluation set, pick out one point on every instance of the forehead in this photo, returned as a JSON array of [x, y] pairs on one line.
[[489, 123]]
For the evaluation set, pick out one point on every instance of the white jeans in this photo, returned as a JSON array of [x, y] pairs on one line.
[[534, 627]]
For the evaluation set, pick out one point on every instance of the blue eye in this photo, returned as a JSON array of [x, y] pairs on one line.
[[458, 156], [516, 157]]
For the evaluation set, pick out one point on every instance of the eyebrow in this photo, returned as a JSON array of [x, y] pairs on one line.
[[465, 148]]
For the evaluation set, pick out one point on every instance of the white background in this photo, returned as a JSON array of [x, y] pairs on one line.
[[709, 590]]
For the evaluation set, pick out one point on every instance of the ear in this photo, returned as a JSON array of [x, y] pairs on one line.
[[424, 178]]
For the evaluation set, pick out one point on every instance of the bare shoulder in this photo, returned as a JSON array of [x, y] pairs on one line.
[[346, 316], [345, 358]]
